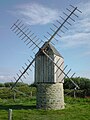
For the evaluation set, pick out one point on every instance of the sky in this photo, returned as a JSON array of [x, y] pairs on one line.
[[39, 16]]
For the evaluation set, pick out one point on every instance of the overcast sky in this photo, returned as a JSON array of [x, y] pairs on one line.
[[39, 15]]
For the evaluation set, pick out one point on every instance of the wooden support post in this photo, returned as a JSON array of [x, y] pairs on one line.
[[31, 94], [10, 114], [14, 95], [75, 92]]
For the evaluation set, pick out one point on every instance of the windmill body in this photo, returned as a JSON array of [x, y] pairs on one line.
[[48, 79], [45, 70]]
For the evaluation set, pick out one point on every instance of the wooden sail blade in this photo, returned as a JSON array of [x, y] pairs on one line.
[[60, 69], [61, 25], [23, 73]]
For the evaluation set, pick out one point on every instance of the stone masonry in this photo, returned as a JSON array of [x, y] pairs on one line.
[[50, 96]]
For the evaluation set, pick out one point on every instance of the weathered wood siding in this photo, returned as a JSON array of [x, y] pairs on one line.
[[58, 74], [46, 71]]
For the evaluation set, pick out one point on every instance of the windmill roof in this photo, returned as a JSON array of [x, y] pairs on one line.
[[53, 49]]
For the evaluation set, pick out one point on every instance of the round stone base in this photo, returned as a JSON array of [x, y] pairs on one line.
[[50, 96]]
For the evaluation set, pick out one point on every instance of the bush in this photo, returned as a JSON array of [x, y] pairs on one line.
[[1, 85], [83, 83], [17, 92], [78, 93]]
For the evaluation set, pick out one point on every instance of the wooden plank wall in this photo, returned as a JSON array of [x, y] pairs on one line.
[[45, 69]]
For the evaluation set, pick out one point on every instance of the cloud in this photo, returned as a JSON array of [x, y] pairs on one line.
[[87, 53], [5, 78], [79, 34], [84, 73], [76, 40], [34, 13]]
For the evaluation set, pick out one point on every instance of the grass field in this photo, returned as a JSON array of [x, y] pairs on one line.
[[25, 109]]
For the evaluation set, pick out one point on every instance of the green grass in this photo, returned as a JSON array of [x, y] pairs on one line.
[[25, 109]]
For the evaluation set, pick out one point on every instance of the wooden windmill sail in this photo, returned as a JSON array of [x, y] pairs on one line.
[[45, 49]]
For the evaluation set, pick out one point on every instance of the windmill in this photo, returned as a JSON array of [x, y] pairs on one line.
[[48, 62]]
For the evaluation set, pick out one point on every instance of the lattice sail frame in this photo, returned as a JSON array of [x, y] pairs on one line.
[[31, 40]]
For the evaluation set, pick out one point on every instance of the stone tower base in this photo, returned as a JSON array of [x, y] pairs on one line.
[[50, 96]]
